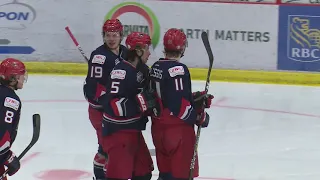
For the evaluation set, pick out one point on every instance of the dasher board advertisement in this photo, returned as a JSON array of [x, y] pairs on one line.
[[243, 36], [299, 38], [238, 37], [313, 2]]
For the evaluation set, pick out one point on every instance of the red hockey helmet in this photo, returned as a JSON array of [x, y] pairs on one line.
[[137, 39], [174, 40], [11, 67], [112, 25]]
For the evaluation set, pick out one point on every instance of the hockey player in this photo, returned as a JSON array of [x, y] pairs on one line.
[[173, 131], [13, 74], [124, 115], [101, 63]]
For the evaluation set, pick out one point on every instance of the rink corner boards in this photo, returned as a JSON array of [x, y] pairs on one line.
[[246, 76]]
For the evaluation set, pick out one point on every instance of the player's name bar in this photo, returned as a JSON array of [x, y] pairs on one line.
[[16, 50]]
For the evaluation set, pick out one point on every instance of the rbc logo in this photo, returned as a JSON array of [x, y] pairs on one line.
[[304, 38]]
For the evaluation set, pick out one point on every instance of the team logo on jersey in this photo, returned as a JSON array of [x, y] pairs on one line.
[[118, 74], [98, 59], [11, 103], [176, 71], [117, 61]]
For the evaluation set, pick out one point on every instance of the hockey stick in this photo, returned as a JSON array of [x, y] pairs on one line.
[[205, 40], [35, 137], [76, 43]]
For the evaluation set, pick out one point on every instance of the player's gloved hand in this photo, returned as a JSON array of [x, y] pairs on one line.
[[12, 163], [199, 97], [203, 119], [148, 103]]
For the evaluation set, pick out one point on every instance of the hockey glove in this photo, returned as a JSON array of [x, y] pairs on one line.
[[147, 103], [12, 163], [203, 120], [199, 97]]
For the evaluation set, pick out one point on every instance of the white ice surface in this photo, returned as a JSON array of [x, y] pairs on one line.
[[257, 132]]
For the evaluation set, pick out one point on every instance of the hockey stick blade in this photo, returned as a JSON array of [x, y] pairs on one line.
[[36, 134], [206, 43]]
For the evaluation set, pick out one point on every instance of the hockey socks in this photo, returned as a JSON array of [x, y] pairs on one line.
[[164, 176], [145, 177], [98, 165]]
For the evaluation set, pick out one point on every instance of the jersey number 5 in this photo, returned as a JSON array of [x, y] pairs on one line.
[[114, 87], [9, 117], [96, 72]]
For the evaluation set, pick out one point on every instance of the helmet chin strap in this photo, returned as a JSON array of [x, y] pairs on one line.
[[139, 62], [139, 58], [183, 52]]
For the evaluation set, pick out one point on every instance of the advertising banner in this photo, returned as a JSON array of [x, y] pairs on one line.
[[237, 36], [15, 16], [242, 36], [313, 2], [237, 1], [299, 38]]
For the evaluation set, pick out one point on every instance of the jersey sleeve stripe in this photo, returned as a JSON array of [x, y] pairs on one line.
[[185, 109], [93, 104], [117, 120], [187, 112], [115, 108], [119, 106]]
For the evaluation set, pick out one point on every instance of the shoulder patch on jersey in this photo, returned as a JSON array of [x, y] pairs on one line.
[[176, 70], [118, 74], [98, 59], [11, 103]]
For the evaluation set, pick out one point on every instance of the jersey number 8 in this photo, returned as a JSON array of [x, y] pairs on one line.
[[96, 72], [9, 117]]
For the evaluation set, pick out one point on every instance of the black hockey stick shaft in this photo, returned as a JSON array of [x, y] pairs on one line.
[[205, 40], [76, 43], [36, 134]]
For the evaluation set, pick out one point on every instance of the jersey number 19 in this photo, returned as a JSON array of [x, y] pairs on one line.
[[96, 72]]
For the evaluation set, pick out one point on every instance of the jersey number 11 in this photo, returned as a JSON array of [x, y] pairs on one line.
[[179, 84]]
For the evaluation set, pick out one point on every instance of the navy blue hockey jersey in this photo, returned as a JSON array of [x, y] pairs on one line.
[[121, 111], [171, 80], [9, 119], [100, 65]]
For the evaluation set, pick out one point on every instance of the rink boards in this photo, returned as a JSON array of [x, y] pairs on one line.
[[252, 41], [311, 79]]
